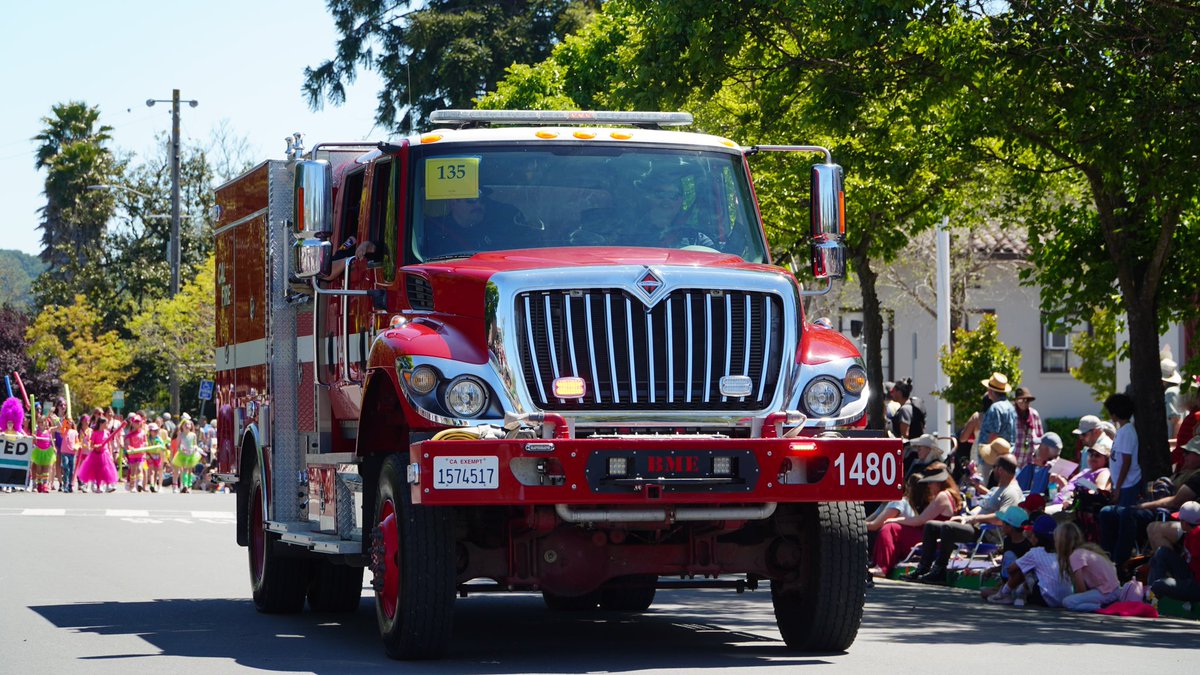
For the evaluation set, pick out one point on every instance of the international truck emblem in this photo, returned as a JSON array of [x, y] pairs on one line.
[[649, 283]]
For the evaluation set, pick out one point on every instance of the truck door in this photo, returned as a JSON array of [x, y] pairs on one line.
[[336, 406]]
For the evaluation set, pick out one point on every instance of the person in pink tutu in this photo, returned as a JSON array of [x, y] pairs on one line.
[[135, 454], [98, 469]]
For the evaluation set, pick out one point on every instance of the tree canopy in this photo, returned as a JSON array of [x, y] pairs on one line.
[[436, 53]]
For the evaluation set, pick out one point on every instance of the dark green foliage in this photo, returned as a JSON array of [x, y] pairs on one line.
[[17, 272], [437, 54]]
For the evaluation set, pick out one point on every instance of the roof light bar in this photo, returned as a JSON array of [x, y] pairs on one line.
[[660, 119]]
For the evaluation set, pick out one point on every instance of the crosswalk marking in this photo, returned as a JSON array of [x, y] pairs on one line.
[[137, 514]]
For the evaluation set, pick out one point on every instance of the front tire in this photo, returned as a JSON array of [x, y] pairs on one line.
[[414, 567], [820, 608], [278, 583]]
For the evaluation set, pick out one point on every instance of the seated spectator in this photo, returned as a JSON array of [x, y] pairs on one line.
[[1017, 542], [1093, 576], [940, 538], [908, 505], [1046, 582], [1037, 471], [1175, 569], [899, 535], [1122, 526], [1187, 428], [927, 451], [1095, 480]]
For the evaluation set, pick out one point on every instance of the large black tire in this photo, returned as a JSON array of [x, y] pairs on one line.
[[415, 569], [278, 583], [565, 603], [334, 588], [628, 594], [820, 609]]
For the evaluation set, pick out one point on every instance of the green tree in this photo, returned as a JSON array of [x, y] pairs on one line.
[[72, 149], [1097, 350], [437, 53], [1105, 95], [976, 355], [179, 330], [94, 361]]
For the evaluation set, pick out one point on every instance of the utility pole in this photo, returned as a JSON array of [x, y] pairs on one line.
[[173, 246]]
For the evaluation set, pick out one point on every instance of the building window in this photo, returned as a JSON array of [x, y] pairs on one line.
[[1056, 348]]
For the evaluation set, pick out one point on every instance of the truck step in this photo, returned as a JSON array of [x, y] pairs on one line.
[[300, 533]]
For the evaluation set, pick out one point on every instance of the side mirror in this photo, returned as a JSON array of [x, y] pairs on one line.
[[310, 257], [312, 208], [828, 203], [828, 260]]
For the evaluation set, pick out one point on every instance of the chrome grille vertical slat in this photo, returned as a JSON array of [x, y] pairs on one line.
[[708, 331], [670, 352], [612, 354], [633, 383], [690, 360], [537, 369], [587, 306], [766, 331], [650, 350], [570, 334], [746, 323], [728, 337], [550, 341]]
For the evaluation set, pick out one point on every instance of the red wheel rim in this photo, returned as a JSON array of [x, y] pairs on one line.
[[258, 537], [388, 594]]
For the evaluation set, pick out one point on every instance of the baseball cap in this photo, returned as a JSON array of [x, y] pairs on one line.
[[1034, 503], [1052, 439], [1188, 513], [1087, 423], [1044, 526], [1014, 516]]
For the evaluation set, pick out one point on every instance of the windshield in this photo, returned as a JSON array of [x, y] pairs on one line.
[[496, 197]]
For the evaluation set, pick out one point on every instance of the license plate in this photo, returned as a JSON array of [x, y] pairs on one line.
[[466, 473]]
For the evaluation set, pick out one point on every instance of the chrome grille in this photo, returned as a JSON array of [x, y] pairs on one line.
[[669, 357]]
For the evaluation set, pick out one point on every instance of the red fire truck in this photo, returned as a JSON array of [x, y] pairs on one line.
[[537, 352]]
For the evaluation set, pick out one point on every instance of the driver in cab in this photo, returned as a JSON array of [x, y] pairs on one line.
[[667, 221], [465, 226]]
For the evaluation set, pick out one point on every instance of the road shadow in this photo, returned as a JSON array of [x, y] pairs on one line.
[[931, 615], [493, 634]]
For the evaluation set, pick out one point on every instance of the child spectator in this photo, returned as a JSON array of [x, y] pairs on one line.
[[1093, 576], [1042, 563], [1176, 573], [1016, 541]]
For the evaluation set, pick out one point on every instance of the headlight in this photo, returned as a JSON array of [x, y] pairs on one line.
[[855, 380], [466, 396], [822, 397], [423, 379]]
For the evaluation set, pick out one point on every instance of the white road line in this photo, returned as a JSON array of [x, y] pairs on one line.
[[127, 513], [44, 512]]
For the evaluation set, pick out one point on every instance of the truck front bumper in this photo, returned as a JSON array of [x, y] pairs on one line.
[[654, 469]]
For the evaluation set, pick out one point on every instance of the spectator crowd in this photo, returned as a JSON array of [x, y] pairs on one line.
[[1092, 535]]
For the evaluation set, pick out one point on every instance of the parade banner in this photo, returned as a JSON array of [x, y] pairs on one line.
[[15, 451]]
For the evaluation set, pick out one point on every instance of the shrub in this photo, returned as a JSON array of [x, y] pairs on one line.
[[975, 355]]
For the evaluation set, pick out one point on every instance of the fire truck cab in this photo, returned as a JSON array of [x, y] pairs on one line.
[[537, 352]]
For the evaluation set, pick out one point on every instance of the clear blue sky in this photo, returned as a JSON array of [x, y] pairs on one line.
[[242, 60]]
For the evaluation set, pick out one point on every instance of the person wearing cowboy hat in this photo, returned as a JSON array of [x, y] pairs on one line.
[[1029, 427], [1000, 420], [927, 452], [940, 538], [1171, 398]]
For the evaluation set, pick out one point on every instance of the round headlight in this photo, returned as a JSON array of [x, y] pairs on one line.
[[466, 397], [855, 380], [423, 379], [822, 397]]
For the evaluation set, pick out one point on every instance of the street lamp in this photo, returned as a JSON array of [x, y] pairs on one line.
[[174, 252]]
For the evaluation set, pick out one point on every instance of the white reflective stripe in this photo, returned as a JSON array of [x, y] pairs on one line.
[[305, 349], [241, 355]]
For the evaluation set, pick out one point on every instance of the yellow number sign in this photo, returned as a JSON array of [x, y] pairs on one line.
[[452, 178]]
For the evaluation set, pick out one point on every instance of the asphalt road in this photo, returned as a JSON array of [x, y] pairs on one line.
[[122, 583]]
